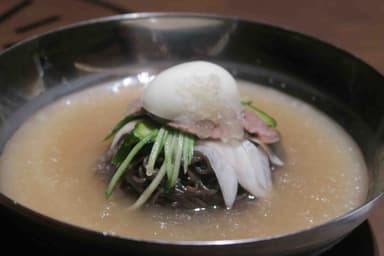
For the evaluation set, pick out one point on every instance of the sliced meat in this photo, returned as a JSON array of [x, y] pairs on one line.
[[253, 124], [202, 129], [206, 129], [250, 121]]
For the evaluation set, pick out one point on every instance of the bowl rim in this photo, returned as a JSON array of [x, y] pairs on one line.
[[28, 213]]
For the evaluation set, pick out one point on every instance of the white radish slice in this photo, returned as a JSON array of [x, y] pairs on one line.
[[223, 168], [260, 164], [271, 155], [250, 177], [127, 128]]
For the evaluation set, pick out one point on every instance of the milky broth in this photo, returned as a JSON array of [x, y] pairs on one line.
[[49, 166]]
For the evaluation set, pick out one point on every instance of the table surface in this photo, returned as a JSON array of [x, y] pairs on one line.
[[356, 26]]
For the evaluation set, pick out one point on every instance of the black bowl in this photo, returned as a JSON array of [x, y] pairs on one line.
[[37, 71]]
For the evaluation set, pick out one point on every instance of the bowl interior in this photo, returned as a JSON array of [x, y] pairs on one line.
[[38, 71]]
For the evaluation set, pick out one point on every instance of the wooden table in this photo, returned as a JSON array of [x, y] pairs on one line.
[[356, 26]]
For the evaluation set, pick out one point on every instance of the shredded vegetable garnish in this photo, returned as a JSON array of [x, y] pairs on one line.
[[125, 164], [157, 147], [150, 189], [175, 147]]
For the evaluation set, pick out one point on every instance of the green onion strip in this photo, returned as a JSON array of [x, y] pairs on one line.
[[177, 152], [168, 154], [121, 123], [185, 154], [123, 167], [150, 189], [191, 149], [266, 118], [156, 149]]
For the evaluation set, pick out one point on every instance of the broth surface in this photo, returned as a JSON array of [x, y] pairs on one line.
[[49, 165]]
